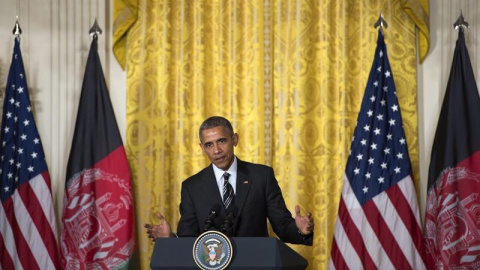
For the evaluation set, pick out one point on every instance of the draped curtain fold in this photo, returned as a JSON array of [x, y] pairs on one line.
[[289, 74]]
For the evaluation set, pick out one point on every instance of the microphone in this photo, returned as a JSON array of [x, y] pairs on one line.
[[227, 227], [212, 215]]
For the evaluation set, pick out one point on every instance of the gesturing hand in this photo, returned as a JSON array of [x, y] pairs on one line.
[[158, 230], [305, 223]]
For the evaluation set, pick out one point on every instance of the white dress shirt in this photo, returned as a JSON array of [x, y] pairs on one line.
[[232, 179]]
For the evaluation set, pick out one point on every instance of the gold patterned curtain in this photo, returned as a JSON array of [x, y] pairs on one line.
[[289, 74]]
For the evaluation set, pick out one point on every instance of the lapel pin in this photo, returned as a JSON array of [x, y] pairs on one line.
[[245, 182]]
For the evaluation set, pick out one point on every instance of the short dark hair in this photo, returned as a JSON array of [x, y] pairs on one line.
[[215, 121]]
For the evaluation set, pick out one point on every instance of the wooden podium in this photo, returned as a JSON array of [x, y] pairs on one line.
[[248, 253]]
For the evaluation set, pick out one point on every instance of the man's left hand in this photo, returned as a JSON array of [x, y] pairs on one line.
[[305, 223]]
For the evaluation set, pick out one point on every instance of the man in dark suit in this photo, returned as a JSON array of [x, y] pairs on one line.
[[250, 189]]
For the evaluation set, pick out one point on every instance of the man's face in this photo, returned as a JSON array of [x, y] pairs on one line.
[[218, 145]]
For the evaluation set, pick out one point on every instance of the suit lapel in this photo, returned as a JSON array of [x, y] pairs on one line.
[[210, 186], [244, 181]]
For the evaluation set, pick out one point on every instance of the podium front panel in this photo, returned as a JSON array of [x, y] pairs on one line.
[[248, 253]]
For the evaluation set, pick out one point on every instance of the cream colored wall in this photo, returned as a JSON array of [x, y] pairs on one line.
[[55, 44]]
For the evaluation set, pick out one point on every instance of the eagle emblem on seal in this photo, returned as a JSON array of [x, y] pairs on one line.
[[212, 248], [212, 251]]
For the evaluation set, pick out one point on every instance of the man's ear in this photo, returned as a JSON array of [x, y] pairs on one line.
[[201, 146], [235, 139]]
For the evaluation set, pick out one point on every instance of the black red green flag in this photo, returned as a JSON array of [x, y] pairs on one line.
[[452, 214], [97, 221]]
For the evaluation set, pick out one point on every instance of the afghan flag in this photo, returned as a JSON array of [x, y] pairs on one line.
[[97, 221], [452, 214]]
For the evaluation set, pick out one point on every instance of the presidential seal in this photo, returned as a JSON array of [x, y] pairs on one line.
[[212, 251]]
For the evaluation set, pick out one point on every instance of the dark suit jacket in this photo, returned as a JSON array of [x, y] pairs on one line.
[[257, 197]]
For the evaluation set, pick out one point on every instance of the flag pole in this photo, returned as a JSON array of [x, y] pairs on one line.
[[460, 22], [381, 22], [95, 30], [17, 31]]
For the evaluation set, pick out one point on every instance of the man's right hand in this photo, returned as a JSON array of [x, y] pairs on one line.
[[158, 230]]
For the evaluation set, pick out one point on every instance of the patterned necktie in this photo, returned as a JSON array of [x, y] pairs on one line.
[[227, 191]]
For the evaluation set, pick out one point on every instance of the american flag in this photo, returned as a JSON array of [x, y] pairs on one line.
[[378, 223], [27, 218]]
